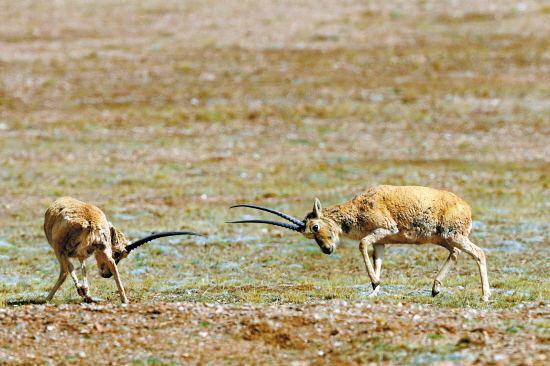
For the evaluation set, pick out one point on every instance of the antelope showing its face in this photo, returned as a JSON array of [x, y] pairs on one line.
[[325, 232], [118, 249], [315, 226]]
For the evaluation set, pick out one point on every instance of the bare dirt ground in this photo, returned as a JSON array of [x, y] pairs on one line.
[[164, 113], [334, 332]]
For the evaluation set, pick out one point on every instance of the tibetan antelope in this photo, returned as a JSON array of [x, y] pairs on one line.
[[76, 229], [391, 215]]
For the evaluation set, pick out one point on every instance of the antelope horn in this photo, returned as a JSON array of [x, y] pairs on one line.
[[276, 223], [294, 220], [154, 236]]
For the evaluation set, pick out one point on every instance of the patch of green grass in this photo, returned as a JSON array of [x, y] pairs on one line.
[[154, 361]]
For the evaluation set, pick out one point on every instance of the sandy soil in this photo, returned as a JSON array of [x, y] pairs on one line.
[[333, 332]]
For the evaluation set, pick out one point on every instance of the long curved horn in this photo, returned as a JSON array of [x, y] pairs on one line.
[[294, 220], [154, 236], [276, 223]]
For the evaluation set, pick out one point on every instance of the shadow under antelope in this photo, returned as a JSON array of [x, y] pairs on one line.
[[75, 229], [391, 215]]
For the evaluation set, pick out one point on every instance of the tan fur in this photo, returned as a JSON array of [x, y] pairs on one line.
[[76, 229], [399, 215]]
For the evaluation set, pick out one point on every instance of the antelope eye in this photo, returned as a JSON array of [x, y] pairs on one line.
[[315, 228]]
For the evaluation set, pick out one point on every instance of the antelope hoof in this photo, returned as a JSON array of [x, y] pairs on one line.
[[89, 300], [82, 290], [375, 291], [436, 288]]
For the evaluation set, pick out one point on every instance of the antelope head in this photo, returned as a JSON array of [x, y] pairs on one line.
[[121, 247], [315, 225]]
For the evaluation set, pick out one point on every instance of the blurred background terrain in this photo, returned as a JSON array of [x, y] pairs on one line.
[[164, 113]]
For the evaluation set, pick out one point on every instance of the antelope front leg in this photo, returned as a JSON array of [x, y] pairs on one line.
[[114, 270], [378, 257], [372, 238], [85, 286], [378, 254], [80, 288]]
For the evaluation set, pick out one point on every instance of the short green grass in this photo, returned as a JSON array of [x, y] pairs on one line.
[[169, 136]]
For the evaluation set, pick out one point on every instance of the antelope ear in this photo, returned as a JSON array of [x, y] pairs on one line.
[[317, 208], [114, 237]]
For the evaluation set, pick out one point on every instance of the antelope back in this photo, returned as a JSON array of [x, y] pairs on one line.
[[73, 227]]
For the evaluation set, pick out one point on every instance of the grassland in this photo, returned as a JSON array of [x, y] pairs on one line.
[[165, 113]]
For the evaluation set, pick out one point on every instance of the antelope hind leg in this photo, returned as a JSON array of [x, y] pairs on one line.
[[465, 245], [449, 263], [62, 277]]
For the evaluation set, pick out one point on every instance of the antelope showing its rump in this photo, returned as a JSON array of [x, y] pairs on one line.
[[76, 229], [391, 215]]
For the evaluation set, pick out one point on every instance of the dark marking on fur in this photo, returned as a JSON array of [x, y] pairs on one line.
[[346, 226], [69, 243], [99, 246]]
